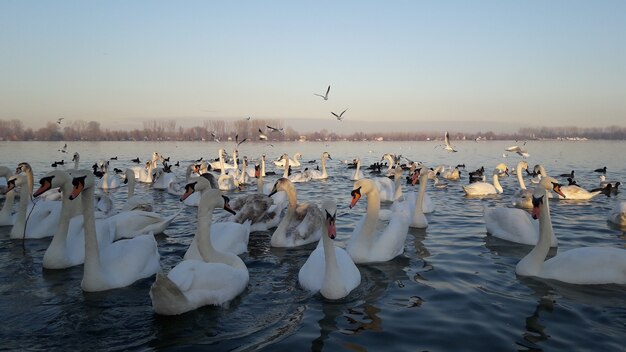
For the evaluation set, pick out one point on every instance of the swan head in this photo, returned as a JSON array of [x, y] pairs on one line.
[[198, 184], [502, 169], [23, 167], [548, 184], [523, 164], [282, 184], [330, 209], [326, 155], [129, 174], [363, 186], [76, 157], [215, 199], [80, 183], [14, 181], [53, 179]]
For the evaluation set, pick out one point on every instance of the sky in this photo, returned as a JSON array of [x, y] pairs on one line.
[[523, 63]]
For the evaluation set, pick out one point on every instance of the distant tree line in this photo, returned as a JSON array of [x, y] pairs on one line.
[[164, 130]]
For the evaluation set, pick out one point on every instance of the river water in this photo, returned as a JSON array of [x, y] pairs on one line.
[[453, 289]]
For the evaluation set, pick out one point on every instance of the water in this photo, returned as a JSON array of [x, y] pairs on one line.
[[454, 288]]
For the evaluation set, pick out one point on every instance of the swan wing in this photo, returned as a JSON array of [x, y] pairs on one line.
[[588, 265]]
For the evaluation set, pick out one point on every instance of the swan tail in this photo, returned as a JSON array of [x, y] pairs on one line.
[[167, 298]]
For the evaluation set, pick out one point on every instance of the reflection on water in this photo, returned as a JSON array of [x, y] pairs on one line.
[[454, 288]]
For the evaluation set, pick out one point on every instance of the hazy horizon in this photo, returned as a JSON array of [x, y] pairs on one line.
[[531, 63]]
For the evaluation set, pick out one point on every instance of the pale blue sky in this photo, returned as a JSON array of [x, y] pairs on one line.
[[530, 62]]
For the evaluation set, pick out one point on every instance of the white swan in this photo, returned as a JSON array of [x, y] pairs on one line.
[[587, 265], [302, 224], [523, 197], [43, 219], [108, 180], [6, 217], [452, 174], [321, 175], [329, 269], [618, 215], [122, 262], [134, 201], [216, 279], [227, 236], [367, 244], [25, 168], [161, 179], [514, 225], [226, 182], [284, 161], [574, 192], [67, 247], [76, 160], [484, 188], [357, 174]]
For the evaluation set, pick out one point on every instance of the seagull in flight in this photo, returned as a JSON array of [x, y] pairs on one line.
[[340, 116], [60, 119], [215, 137], [248, 118], [448, 146], [518, 150], [274, 129], [262, 136], [325, 96], [237, 140], [64, 149]]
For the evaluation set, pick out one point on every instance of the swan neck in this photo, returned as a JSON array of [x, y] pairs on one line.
[[7, 207], [496, 183], [324, 174], [131, 187], [66, 210], [259, 184], [92, 252], [262, 166], [371, 217], [203, 240], [331, 269], [398, 187], [420, 198], [520, 179]]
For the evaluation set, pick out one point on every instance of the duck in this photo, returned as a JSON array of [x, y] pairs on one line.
[[321, 175], [601, 170], [329, 269], [582, 266], [568, 175], [302, 223], [367, 244], [216, 279], [484, 188], [617, 215], [122, 262]]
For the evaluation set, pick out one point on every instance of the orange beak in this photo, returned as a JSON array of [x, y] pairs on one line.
[[44, 187], [76, 191], [355, 198]]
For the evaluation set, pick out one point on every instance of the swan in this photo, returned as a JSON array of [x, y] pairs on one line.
[[523, 197], [76, 160], [366, 243], [391, 165], [587, 265], [144, 174], [618, 215], [302, 224], [67, 247], [389, 190], [108, 180], [358, 174], [226, 236], [216, 279], [452, 174], [25, 168], [161, 179], [284, 161], [244, 178], [514, 225], [43, 219], [133, 201], [122, 262], [329, 269], [574, 192], [484, 188], [6, 218], [321, 175], [427, 204]]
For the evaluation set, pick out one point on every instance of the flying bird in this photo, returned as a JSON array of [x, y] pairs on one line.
[[274, 129], [237, 140], [248, 118], [215, 137], [325, 96], [448, 146], [262, 136], [64, 149], [60, 119], [518, 150], [340, 116]]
